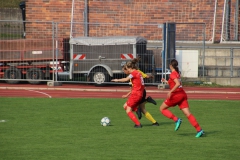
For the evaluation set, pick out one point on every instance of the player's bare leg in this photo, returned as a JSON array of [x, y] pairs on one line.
[[193, 121], [130, 114], [167, 113], [147, 114]]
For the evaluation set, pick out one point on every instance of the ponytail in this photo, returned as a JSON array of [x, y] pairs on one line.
[[174, 64], [132, 64], [177, 69]]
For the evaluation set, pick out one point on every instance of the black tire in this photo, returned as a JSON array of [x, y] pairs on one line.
[[34, 74], [12, 73], [99, 76]]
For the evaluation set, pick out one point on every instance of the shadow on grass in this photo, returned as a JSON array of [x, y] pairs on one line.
[[160, 124], [205, 133]]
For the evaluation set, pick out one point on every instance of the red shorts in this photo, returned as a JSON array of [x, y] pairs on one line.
[[177, 98], [133, 101]]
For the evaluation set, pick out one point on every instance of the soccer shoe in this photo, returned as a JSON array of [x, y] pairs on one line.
[[177, 124], [137, 126], [199, 134], [150, 100], [139, 113], [155, 124]]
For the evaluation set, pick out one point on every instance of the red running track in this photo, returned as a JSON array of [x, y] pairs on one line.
[[111, 91]]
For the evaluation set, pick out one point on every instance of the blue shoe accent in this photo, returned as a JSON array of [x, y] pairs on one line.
[[177, 124], [199, 134]]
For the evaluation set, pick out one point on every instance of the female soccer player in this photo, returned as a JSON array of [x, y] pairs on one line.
[[177, 96], [141, 108], [136, 93]]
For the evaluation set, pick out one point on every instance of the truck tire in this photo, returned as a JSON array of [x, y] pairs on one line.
[[34, 74], [12, 73], [100, 76]]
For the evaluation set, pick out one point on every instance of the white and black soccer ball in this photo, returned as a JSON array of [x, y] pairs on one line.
[[105, 121]]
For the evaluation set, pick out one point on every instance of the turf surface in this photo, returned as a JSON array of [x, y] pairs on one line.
[[60, 129]]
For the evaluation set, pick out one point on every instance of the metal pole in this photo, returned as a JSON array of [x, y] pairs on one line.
[[53, 49], [166, 51], [236, 20], [86, 19], [23, 8], [204, 49], [163, 46], [71, 29], [227, 21], [223, 21], [214, 22], [56, 37], [231, 63]]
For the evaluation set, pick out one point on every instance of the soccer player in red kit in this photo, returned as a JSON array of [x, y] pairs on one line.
[[177, 96], [136, 93], [144, 100]]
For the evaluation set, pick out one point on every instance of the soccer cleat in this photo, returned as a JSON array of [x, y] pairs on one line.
[[150, 100], [137, 126], [139, 113], [155, 124], [177, 124], [199, 134]]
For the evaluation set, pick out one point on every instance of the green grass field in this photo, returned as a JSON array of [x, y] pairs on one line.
[[69, 129]]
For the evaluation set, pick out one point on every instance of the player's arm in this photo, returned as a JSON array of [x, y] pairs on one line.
[[126, 95], [121, 80], [177, 84], [149, 76], [164, 80], [144, 75]]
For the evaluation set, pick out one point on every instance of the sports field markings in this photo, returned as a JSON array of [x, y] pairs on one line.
[[1, 121], [40, 93]]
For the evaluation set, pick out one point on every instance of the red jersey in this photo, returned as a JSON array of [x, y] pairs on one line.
[[175, 75], [137, 82]]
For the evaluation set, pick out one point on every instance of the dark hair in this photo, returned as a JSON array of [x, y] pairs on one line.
[[124, 66], [174, 64], [132, 64]]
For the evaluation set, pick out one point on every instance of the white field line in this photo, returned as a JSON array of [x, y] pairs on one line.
[[40, 93]]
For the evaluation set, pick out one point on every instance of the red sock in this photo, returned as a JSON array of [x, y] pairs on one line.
[[194, 122], [169, 115], [133, 118]]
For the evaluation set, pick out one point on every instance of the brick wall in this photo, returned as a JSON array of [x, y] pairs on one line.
[[126, 12]]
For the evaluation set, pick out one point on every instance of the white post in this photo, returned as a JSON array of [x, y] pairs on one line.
[[223, 21], [214, 22], [72, 14]]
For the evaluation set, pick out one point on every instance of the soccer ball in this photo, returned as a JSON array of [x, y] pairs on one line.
[[105, 121]]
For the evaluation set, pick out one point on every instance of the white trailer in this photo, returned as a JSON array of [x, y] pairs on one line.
[[102, 58]]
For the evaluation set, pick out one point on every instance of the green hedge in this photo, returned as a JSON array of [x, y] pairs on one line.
[[10, 3]]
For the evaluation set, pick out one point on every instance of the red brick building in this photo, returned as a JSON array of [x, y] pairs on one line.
[[127, 12]]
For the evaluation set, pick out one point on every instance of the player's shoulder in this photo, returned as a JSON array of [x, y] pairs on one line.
[[135, 72], [142, 73], [175, 74]]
